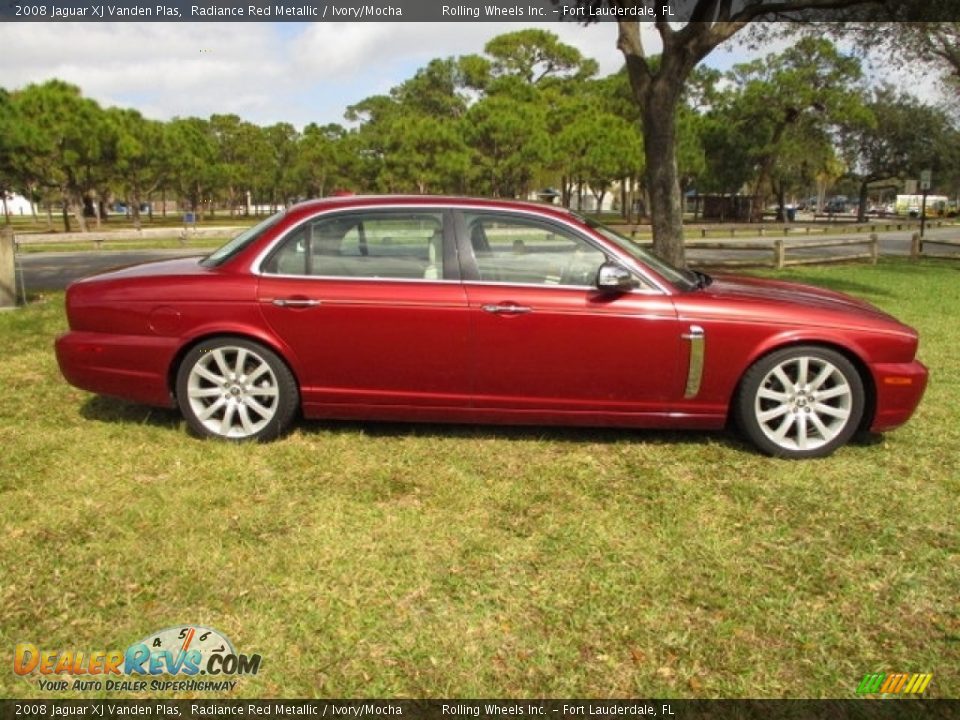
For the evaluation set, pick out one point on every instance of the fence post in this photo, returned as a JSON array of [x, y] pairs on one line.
[[874, 248], [8, 271], [916, 246], [779, 253]]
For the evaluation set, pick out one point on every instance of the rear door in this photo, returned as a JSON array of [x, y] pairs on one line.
[[370, 305]]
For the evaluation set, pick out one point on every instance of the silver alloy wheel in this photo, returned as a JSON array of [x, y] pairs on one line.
[[233, 391], [803, 403]]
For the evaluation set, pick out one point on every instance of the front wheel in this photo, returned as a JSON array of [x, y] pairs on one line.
[[237, 390], [800, 402]]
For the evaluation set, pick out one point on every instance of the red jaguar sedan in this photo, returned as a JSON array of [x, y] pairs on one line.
[[482, 311]]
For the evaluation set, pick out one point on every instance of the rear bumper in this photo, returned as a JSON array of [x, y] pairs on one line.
[[900, 387], [132, 367]]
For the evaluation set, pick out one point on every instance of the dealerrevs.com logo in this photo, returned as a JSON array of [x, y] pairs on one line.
[[184, 650]]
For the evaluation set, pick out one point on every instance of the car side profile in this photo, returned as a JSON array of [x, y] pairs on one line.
[[445, 309]]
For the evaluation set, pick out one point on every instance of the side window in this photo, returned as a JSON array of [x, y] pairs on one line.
[[526, 251], [399, 245]]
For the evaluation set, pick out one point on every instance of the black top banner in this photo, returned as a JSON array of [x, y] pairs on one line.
[[522, 11], [865, 709]]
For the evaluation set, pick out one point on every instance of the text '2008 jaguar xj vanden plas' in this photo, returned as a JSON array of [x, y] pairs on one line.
[[482, 311]]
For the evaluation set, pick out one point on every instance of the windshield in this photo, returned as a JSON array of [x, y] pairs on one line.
[[681, 279], [224, 253]]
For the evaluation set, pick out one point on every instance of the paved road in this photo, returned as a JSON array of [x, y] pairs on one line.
[[54, 271]]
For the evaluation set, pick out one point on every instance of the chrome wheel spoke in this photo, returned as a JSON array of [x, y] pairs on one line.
[[802, 431], [834, 412], [208, 375], [820, 379], [221, 361], [227, 422], [833, 392], [240, 362], [261, 369], [259, 409], [263, 391], [769, 394], [209, 410], [781, 432], [205, 392], [803, 370], [768, 415], [245, 421], [819, 425], [781, 376]]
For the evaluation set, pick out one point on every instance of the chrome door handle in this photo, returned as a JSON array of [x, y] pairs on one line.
[[295, 302], [506, 309]]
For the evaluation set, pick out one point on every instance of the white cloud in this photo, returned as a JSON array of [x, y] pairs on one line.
[[265, 72]]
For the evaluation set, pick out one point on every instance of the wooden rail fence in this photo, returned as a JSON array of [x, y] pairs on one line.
[[918, 248], [777, 252], [97, 239]]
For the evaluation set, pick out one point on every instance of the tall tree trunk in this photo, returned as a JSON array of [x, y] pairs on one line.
[[663, 180], [862, 209], [135, 204]]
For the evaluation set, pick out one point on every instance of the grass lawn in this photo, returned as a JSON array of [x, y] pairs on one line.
[[441, 561]]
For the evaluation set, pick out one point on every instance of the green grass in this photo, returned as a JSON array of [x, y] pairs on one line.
[[387, 560]]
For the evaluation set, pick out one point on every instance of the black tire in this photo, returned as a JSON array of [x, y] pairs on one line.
[[235, 389], [787, 418]]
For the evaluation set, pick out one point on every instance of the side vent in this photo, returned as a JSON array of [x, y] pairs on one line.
[[695, 368]]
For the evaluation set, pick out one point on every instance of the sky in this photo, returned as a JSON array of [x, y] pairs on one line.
[[271, 72]]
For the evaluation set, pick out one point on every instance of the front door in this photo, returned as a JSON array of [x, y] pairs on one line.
[[547, 341]]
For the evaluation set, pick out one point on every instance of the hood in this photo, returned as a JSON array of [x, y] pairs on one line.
[[793, 303]]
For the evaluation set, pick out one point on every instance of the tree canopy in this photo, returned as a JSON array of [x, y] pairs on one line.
[[528, 114]]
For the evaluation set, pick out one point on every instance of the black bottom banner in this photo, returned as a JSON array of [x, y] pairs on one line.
[[865, 709]]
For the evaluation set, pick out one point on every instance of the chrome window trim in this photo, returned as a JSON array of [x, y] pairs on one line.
[[656, 287], [628, 262]]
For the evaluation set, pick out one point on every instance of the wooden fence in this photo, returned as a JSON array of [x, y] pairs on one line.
[[98, 239], [779, 253], [733, 230], [918, 248]]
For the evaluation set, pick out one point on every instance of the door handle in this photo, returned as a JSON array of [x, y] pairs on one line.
[[506, 309], [295, 302]]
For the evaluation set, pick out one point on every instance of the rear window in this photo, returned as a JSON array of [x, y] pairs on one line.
[[241, 241]]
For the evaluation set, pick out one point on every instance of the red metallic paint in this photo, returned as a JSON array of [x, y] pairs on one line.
[[402, 350]]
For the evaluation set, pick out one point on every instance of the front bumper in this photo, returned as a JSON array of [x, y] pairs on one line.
[[900, 387]]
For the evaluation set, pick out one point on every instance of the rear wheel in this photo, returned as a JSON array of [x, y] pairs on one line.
[[800, 402], [237, 390]]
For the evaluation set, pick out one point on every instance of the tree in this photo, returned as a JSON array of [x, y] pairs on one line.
[[936, 44], [59, 142], [658, 90], [8, 175], [320, 164], [536, 55], [193, 159], [784, 108], [900, 138]]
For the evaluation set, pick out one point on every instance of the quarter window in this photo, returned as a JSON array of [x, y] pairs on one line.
[[398, 245], [526, 251]]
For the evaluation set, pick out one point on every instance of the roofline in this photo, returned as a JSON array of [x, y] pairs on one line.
[[335, 201]]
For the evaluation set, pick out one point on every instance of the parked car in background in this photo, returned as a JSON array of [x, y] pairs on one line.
[[482, 311]]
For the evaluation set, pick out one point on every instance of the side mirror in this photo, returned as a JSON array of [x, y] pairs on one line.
[[615, 278]]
